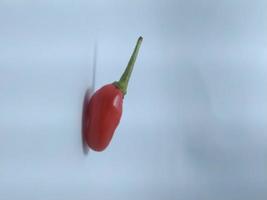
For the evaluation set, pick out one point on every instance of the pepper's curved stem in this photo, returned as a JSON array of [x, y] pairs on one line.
[[122, 84]]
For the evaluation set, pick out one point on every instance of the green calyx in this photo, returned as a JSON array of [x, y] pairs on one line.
[[122, 84]]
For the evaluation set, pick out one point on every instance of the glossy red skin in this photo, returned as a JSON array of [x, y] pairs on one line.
[[101, 116]]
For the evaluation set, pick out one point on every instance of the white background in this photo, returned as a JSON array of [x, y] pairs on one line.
[[194, 120]]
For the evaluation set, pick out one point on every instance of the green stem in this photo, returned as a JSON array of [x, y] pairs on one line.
[[122, 84]]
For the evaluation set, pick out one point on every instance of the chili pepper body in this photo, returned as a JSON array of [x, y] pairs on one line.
[[102, 112], [102, 116]]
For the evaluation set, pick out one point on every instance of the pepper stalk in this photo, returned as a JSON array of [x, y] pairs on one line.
[[122, 84]]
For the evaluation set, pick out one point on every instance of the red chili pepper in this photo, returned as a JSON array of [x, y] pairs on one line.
[[102, 112]]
